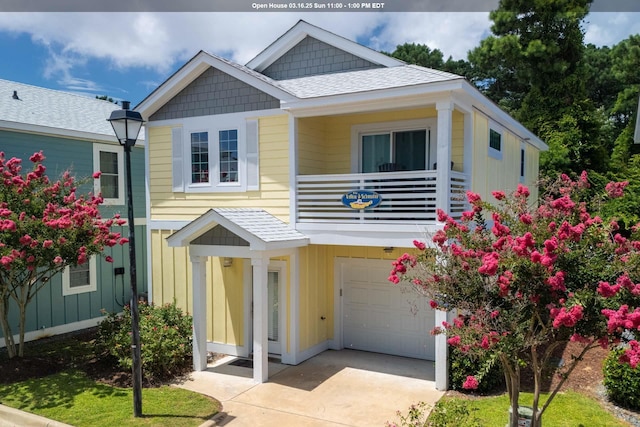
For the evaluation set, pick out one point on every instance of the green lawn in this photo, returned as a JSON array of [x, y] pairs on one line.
[[568, 409], [73, 398]]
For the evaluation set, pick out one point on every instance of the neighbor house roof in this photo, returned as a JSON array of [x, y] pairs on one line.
[[36, 109]]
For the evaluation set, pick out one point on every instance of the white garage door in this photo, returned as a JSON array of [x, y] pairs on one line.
[[382, 317]]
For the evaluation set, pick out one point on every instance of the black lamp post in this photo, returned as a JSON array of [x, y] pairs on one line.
[[126, 124]]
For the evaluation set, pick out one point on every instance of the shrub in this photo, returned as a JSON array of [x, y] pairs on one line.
[[621, 380], [165, 338], [446, 413], [485, 367]]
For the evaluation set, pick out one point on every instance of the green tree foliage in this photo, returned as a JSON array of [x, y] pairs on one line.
[[421, 54]]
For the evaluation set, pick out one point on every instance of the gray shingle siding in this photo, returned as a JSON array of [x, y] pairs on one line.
[[312, 57], [215, 92], [219, 235]]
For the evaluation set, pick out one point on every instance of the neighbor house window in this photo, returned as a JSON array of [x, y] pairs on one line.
[[77, 279], [495, 144], [228, 151], [108, 160], [396, 150], [199, 157]]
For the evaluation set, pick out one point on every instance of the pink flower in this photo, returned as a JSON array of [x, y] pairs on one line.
[[419, 245], [58, 260], [433, 304], [616, 189], [522, 191], [499, 195], [471, 383], [454, 341], [47, 243], [96, 175], [123, 240], [473, 197], [37, 157], [108, 259]]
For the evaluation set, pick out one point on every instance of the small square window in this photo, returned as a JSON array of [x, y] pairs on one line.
[[77, 279], [495, 144]]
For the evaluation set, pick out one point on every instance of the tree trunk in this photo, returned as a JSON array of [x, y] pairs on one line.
[[537, 377], [23, 319], [512, 379], [6, 328]]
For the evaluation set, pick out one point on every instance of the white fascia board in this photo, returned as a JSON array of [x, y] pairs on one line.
[[302, 29], [492, 110], [46, 130], [220, 251], [286, 244], [407, 96], [191, 71]]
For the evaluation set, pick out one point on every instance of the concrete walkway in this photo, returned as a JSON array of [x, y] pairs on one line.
[[335, 388]]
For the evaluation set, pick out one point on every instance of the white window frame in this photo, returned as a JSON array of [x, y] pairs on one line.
[[496, 154], [360, 130], [214, 185], [187, 148], [97, 188], [93, 280]]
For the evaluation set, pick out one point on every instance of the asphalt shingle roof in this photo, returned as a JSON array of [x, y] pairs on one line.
[[261, 224], [55, 109], [364, 81]]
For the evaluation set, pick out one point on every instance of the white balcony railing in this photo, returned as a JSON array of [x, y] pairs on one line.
[[406, 197]]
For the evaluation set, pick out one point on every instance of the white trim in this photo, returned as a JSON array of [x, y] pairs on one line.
[[244, 115], [44, 332], [496, 154], [292, 357], [467, 152], [57, 132], [230, 349], [303, 29], [247, 289], [280, 267], [93, 280], [147, 220], [369, 235], [161, 224], [338, 263], [293, 168], [191, 71], [97, 188]]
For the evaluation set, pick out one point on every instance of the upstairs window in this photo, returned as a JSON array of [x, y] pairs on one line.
[[228, 144], [495, 144], [199, 157], [108, 160]]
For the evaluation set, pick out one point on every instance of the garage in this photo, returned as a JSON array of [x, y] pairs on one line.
[[381, 317]]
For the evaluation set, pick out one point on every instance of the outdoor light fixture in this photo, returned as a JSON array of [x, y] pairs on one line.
[[227, 261], [126, 125]]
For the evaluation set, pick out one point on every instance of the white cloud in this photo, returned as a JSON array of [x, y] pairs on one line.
[[160, 41]]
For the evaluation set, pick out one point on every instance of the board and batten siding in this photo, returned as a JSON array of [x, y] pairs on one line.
[[489, 173], [273, 195]]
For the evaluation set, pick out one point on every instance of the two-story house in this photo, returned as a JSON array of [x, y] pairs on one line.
[[73, 133], [281, 190]]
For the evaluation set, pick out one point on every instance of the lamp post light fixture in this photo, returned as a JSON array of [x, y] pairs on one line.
[[126, 125]]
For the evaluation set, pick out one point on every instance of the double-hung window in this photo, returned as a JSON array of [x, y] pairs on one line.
[[77, 279], [216, 156], [108, 160]]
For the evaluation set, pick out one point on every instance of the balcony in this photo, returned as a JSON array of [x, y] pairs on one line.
[[406, 197]]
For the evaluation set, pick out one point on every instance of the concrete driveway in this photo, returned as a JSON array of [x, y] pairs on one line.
[[335, 388]]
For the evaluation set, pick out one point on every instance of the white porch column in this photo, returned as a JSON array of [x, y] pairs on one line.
[[443, 174], [260, 320], [442, 363], [198, 268]]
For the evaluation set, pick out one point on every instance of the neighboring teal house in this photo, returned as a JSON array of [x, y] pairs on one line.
[[73, 133]]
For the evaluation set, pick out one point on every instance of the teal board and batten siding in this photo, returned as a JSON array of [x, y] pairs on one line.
[[76, 156], [50, 308]]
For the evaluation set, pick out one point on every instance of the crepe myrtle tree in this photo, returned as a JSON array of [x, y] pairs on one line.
[[525, 278], [44, 228]]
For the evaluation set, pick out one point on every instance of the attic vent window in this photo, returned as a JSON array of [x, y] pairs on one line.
[[15, 95]]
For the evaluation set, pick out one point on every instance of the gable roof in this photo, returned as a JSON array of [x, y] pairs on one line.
[[259, 228], [194, 68], [36, 109], [303, 29]]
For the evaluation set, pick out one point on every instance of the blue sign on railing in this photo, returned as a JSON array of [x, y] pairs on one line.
[[361, 199]]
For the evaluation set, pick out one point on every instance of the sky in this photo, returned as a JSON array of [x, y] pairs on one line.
[[126, 55]]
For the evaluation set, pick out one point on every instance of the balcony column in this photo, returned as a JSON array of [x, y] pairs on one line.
[[443, 174]]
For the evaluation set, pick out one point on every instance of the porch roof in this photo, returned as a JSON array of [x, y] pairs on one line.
[[259, 228]]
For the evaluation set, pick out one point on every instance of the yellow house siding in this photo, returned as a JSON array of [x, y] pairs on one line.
[[491, 174], [317, 268], [457, 141], [531, 169], [311, 146], [274, 177]]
